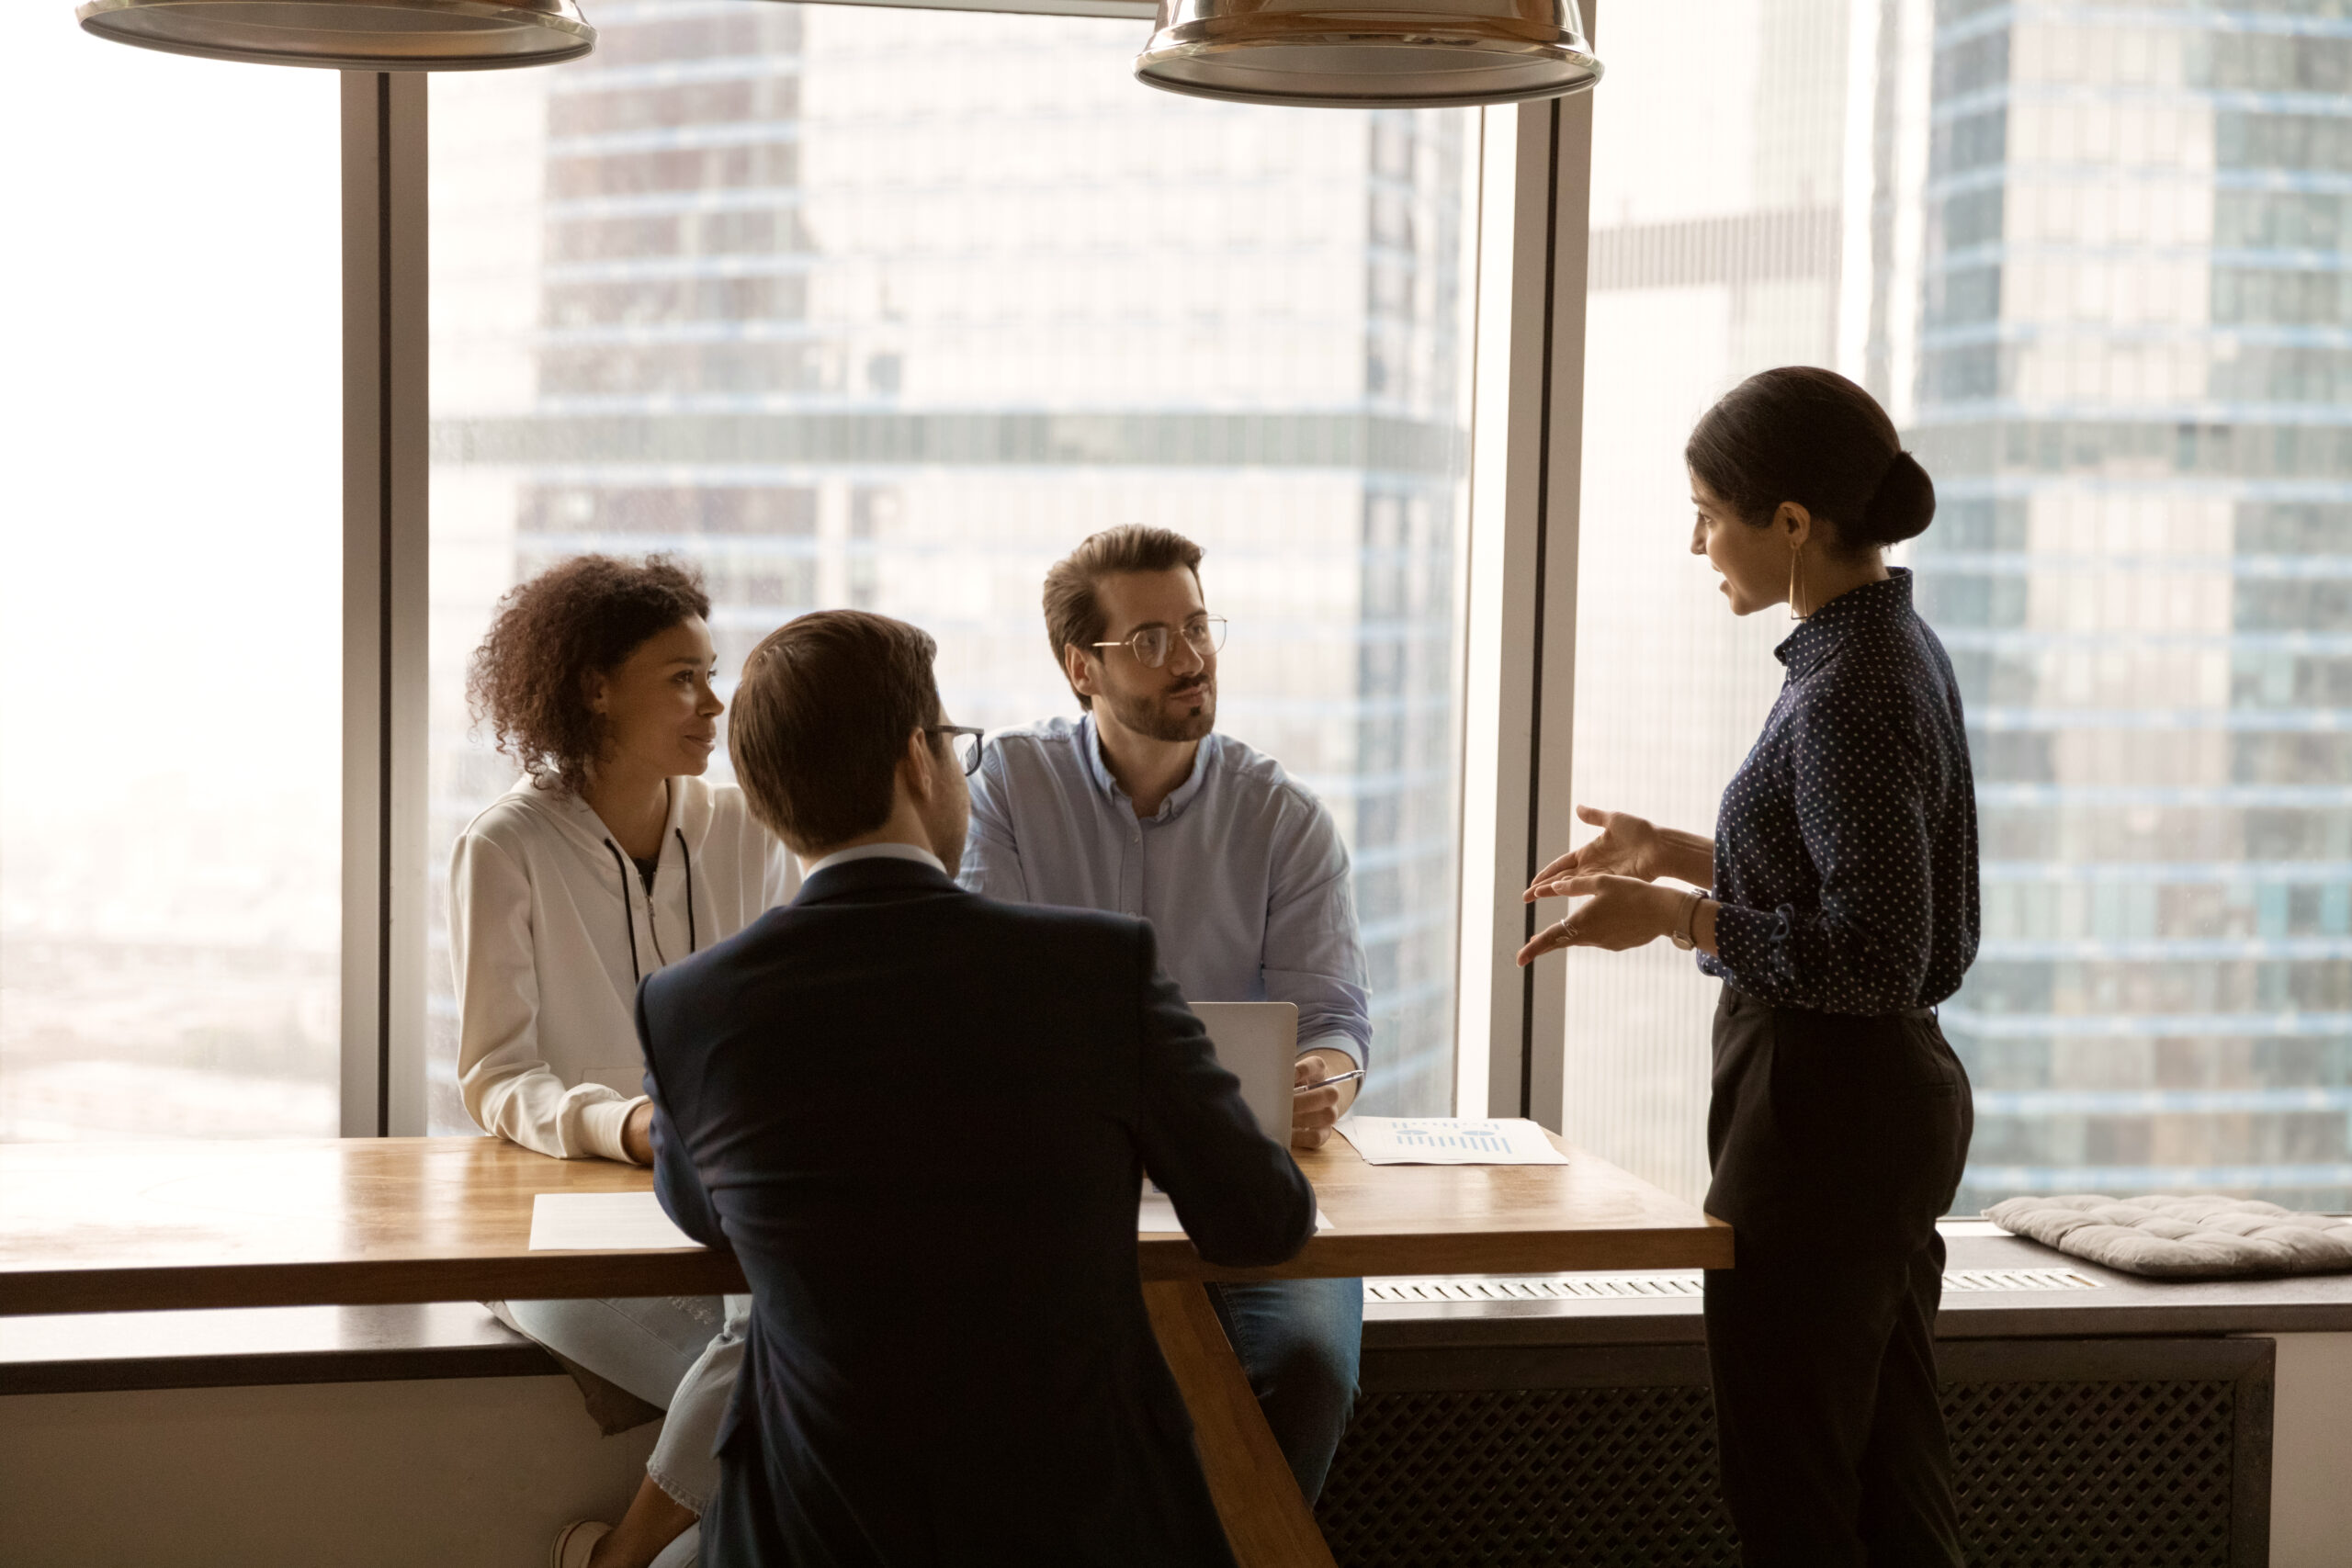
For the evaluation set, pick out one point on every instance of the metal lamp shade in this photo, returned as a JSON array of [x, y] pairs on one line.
[[1370, 54], [351, 35]]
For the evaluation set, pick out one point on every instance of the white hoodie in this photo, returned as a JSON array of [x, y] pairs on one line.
[[550, 929]]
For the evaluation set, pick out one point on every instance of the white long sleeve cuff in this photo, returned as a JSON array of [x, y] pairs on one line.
[[600, 1127]]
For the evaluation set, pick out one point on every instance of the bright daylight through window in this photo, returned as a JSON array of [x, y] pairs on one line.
[[890, 309], [170, 720], [2092, 261]]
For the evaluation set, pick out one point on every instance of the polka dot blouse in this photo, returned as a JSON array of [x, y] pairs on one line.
[[1846, 847]]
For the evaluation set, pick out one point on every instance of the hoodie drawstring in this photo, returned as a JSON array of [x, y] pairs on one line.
[[629, 903], [629, 911]]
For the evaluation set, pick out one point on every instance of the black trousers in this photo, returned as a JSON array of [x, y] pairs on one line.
[[1835, 1142]]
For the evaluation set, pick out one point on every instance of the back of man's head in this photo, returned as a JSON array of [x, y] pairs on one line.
[[821, 720], [1074, 607]]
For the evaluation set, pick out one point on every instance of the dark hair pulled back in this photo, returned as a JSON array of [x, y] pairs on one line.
[[1810, 435]]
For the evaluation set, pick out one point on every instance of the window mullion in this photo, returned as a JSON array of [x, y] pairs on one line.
[[1527, 435], [384, 567]]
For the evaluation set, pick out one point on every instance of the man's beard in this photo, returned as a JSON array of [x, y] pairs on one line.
[[1146, 716]]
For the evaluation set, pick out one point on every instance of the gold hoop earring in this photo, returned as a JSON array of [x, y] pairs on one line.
[[1796, 553]]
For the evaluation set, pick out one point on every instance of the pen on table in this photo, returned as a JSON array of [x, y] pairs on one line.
[[1326, 1083]]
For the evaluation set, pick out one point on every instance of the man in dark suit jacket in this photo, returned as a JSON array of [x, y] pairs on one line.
[[920, 1119]]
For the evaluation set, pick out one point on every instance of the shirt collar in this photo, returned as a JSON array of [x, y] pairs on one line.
[[1820, 633], [873, 851], [1091, 746]]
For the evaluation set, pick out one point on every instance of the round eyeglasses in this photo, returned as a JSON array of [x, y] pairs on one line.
[[1150, 645], [968, 743]]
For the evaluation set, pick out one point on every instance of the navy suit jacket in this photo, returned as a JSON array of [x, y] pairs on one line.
[[921, 1118]]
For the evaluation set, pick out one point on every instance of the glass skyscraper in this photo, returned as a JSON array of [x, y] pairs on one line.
[[2135, 394], [884, 308], [2094, 260]]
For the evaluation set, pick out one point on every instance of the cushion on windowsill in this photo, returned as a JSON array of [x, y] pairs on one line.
[[2166, 1237]]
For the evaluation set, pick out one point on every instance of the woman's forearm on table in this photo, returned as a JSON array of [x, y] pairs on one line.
[[1688, 857]]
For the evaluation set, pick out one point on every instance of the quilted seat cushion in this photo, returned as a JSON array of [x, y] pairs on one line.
[[2182, 1238]]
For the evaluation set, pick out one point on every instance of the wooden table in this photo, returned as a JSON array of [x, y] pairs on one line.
[[118, 1227]]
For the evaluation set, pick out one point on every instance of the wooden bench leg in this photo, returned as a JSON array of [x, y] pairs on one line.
[[1266, 1519]]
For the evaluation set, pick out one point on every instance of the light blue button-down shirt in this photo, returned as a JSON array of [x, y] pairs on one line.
[[1241, 872]]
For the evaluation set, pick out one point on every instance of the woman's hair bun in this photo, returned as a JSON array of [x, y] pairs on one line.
[[1902, 506], [1807, 435]]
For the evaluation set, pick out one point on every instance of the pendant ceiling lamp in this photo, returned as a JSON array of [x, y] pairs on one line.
[[1369, 53], [351, 35]]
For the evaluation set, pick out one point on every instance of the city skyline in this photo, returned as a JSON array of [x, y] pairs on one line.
[[840, 349], [2092, 261], [2132, 394], [2093, 264]]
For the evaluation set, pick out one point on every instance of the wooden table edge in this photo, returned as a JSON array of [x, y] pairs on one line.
[[376, 1282]]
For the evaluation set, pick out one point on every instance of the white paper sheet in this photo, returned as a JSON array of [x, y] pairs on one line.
[[601, 1222], [1157, 1216], [1450, 1140], [605, 1221]]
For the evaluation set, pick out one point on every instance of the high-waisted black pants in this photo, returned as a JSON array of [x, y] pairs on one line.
[[1835, 1142]]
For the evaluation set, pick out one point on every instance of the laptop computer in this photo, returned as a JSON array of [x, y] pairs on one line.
[[1256, 1043]]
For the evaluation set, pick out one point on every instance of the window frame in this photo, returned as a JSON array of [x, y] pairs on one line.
[[1527, 470], [1517, 642], [387, 865]]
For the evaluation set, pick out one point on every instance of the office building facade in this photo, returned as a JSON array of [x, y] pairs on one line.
[[2135, 374], [888, 309]]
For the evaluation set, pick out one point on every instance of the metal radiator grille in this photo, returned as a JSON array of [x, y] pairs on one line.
[[2086, 1473], [1410, 1291], [1621, 1477], [2050, 1476]]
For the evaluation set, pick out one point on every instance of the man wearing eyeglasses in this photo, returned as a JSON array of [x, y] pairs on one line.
[[1140, 808]]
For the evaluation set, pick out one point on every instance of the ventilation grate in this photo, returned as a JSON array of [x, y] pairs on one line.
[[1658, 1284], [1530, 1288], [2050, 1475], [1623, 1477], [2019, 1280], [2055, 1474]]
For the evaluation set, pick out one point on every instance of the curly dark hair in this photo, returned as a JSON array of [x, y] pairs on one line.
[[529, 677]]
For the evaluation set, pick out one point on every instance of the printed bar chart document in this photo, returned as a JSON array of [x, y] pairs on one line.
[[1450, 1140], [601, 1222]]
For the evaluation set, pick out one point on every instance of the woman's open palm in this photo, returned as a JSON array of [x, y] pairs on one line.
[[1627, 847]]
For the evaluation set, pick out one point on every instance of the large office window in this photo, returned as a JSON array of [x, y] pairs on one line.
[[1716, 228], [2091, 260], [169, 612], [2132, 382], [887, 309]]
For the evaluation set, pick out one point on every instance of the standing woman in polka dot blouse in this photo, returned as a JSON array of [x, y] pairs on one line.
[[1838, 904]]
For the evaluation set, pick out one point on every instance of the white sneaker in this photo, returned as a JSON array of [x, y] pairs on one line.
[[575, 1540]]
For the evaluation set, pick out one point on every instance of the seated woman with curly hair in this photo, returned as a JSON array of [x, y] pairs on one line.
[[610, 859]]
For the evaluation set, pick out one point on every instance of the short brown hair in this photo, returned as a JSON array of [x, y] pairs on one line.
[[1074, 610], [581, 617], [821, 718]]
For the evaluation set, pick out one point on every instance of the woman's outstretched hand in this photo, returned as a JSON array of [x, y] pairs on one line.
[[1619, 912], [1628, 846]]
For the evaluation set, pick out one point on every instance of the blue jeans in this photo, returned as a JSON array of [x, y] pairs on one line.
[[1300, 1342]]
